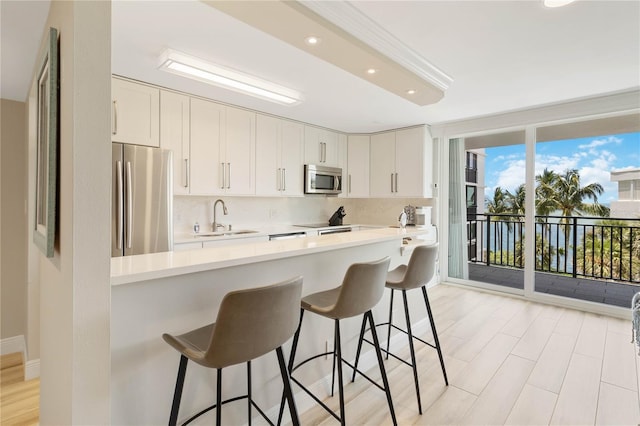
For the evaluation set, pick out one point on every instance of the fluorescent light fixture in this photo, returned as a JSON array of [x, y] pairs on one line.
[[557, 3], [197, 69]]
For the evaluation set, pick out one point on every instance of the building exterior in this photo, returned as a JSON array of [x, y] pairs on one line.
[[628, 203]]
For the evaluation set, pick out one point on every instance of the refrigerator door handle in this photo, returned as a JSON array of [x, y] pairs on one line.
[[129, 227], [119, 206]]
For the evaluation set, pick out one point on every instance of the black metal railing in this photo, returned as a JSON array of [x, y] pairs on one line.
[[592, 247]]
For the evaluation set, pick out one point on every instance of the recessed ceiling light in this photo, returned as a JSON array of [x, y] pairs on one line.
[[411, 92], [197, 69], [312, 40], [371, 71], [557, 3]]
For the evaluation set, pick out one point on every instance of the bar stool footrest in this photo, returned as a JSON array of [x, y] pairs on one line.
[[237, 398]]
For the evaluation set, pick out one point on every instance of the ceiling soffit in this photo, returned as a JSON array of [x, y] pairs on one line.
[[292, 22]]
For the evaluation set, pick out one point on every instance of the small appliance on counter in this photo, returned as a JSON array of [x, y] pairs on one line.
[[423, 217], [411, 215], [336, 218]]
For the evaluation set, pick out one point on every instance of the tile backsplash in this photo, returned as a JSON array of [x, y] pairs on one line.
[[267, 211]]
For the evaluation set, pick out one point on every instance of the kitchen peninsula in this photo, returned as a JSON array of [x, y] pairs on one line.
[[177, 291]]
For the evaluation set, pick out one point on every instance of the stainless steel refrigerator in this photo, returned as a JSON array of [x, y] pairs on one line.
[[142, 200]]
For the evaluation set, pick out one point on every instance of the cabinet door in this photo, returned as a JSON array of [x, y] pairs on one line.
[[268, 168], [174, 135], [343, 164], [207, 130], [357, 180], [135, 113], [329, 142], [291, 146], [240, 152], [410, 162], [382, 165], [313, 150]]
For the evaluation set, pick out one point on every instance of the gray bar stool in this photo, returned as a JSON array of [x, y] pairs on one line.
[[361, 289], [416, 274], [250, 323]]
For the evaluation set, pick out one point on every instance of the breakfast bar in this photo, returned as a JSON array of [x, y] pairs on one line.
[[173, 292]]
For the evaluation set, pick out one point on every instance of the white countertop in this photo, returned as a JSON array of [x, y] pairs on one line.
[[130, 269]]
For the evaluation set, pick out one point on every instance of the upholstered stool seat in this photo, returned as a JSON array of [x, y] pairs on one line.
[[361, 289], [250, 323], [416, 274]]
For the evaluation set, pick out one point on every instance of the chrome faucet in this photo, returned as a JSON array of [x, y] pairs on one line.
[[215, 224]]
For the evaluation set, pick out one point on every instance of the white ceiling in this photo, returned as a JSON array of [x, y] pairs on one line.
[[502, 56]]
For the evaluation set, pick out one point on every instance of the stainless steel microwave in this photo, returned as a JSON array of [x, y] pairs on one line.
[[322, 179]]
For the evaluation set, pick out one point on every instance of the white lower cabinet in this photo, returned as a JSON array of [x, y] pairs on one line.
[[234, 241], [279, 167], [187, 246]]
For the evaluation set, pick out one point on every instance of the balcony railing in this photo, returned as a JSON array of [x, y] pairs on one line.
[[589, 247]]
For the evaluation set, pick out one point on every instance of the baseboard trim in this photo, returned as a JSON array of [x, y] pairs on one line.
[[32, 369], [13, 344]]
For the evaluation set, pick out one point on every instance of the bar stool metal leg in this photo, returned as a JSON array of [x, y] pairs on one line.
[[293, 410], [360, 339], [218, 396], [249, 392], [435, 334], [383, 372], [177, 394], [389, 324], [338, 350], [411, 349]]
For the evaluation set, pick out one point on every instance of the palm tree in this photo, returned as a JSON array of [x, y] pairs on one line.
[[570, 196], [497, 205]]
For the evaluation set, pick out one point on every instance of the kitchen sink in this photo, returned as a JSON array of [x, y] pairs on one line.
[[225, 233]]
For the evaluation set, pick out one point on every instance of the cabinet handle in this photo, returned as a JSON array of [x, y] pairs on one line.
[[320, 146], [284, 179], [185, 174], [396, 182], [349, 183], [228, 175], [279, 179], [324, 152], [391, 182], [114, 130], [223, 176]]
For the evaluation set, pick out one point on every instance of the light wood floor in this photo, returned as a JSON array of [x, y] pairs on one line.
[[509, 362], [19, 399]]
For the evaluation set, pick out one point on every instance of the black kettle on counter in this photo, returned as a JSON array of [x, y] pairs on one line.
[[336, 218]]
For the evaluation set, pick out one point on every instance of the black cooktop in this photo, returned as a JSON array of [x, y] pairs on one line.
[[319, 225]]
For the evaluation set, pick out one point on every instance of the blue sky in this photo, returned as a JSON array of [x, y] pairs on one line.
[[594, 158]]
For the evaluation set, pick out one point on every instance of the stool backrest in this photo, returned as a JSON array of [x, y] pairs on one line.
[[421, 267], [253, 322], [362, 288]]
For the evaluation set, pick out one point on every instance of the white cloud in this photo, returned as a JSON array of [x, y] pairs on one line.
[[600, 142]]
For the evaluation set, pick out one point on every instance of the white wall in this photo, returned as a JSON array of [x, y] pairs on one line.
[[13, 222], [265, 211], [74, 284]]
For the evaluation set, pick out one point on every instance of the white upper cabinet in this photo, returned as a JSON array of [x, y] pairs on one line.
[[239, 152], [174, 135], [383, 164], [279, 162], [320, 146], [223, 155], [401, 163], [207, 133], [356, 176], [135, 113]]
